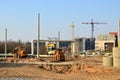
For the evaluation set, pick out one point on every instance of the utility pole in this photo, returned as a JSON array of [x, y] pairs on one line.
[[38, 36]]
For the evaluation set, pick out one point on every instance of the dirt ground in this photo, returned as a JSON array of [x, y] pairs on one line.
[[92, 70]]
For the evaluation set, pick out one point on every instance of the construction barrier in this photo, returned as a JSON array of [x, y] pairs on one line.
[[108, 61]]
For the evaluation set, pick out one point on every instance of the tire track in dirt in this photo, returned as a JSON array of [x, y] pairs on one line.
[[93, 77], [103, 76]]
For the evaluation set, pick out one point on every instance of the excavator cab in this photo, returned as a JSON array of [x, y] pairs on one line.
[[51, 49]]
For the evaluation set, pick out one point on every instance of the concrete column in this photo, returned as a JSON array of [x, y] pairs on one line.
[[83, 44], [38, 37], [6, 43], [58, 42], [32, 47]]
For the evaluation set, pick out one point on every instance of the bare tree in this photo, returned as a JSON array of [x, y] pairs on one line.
[[43, 49]]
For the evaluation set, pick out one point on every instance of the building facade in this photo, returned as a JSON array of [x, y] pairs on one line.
[[105, 42], [115, 34]]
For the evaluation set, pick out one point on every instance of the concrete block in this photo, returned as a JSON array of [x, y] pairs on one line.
[[116, 61], [108, 61], [116, 52]]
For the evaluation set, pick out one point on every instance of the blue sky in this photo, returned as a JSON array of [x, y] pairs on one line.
[[20, 18]]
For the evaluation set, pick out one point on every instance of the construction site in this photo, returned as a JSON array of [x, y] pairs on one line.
[[75, 59]]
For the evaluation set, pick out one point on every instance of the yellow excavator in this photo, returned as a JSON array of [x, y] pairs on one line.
[[19, 52], [58, 53]]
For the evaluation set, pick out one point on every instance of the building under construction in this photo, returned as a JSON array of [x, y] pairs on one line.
[[63, 44], [84, 44], [106, 42]]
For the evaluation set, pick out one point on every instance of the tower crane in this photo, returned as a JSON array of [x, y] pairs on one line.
[[72, 26], [73, 43], [92, 32], [92, 26]]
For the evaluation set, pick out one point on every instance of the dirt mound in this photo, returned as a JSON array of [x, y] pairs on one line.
[[28, 60], [82, 65], [75, 68]]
